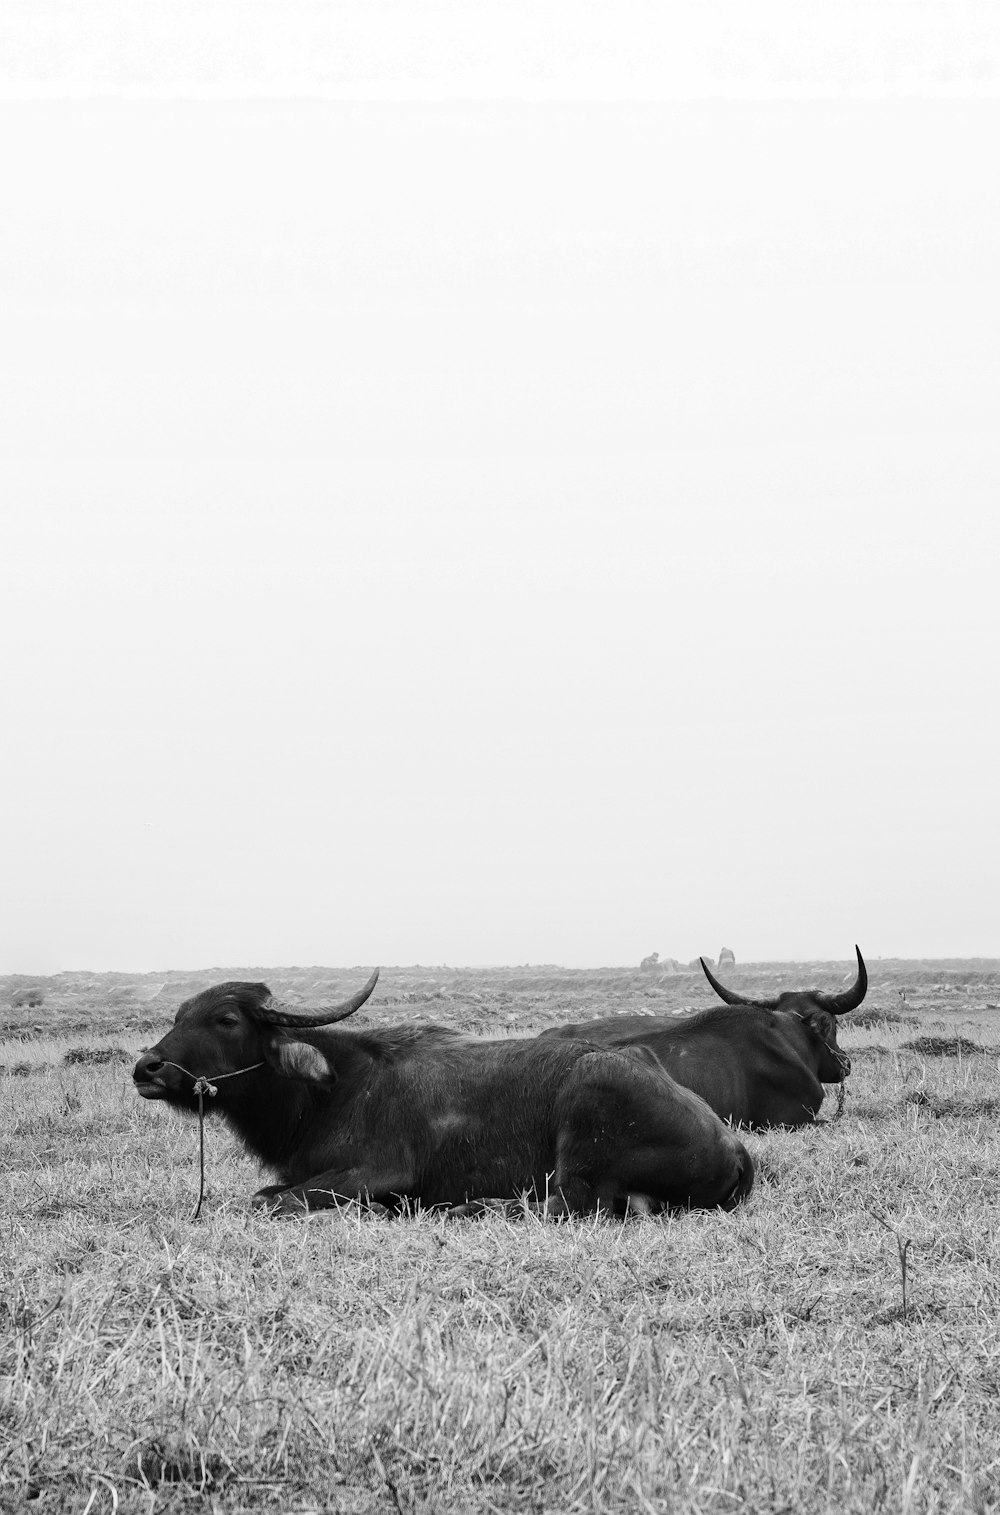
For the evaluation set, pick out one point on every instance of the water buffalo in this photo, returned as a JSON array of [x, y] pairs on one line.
[[432, 1116], [760, 1063]]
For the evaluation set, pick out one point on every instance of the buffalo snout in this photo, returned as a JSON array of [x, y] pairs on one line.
[[148, 1075], [744, 1178]]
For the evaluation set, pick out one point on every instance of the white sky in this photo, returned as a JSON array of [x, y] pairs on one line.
[[516, 487]]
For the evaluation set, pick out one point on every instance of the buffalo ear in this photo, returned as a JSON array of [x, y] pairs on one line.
[[820, 1023], [301, 1060]]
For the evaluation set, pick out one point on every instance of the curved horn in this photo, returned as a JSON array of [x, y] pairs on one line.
[[272, 1012], [730, 996], [839, 1004]]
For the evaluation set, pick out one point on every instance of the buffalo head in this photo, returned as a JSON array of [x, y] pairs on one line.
[[816, 1009], [233, 1029]]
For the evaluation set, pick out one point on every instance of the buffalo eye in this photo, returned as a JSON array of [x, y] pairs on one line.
[[229, 1019]]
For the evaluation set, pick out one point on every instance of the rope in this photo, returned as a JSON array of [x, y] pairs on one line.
[[843, 1060], [203, 1086], [218, 1077], [841, 1096]]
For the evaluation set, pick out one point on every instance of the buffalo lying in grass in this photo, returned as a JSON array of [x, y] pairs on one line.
[[756, 1062], [431, 1116]]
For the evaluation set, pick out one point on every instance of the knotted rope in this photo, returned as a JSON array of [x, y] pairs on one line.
[[203, 1086]]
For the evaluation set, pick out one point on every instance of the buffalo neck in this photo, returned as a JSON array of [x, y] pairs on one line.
[[269, 1112]]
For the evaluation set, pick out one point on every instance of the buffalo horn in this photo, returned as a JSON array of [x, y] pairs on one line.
[[839, 1004], [730, 996], [274, 1013]]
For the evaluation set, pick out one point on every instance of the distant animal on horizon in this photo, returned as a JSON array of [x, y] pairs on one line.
[[433, 1117], [650, 964], [667, 967], [727, 958], [757, 1062]]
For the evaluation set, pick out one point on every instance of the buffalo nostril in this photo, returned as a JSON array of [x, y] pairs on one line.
[[146, 1066]]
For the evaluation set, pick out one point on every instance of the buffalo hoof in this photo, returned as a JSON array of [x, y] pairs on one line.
[[275, 1204], [553, 1208], [642, 1204], [480, 1207]]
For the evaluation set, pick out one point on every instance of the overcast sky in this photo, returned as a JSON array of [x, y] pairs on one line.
[[495, 485]]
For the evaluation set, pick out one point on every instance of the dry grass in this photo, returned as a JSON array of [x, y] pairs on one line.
[[760, 1361]]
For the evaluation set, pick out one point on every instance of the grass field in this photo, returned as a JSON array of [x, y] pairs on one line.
[[767, 1360]]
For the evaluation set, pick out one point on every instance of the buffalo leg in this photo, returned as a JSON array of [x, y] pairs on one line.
[[557, 1204], [557, 1207], [332, 1190], [553, 1208]]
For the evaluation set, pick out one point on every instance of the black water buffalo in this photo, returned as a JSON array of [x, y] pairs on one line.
[[759, 1063], [429, 1115]]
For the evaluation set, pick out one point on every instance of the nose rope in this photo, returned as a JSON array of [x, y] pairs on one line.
[[216, 1078], [845, 1067], [203, 1086]]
